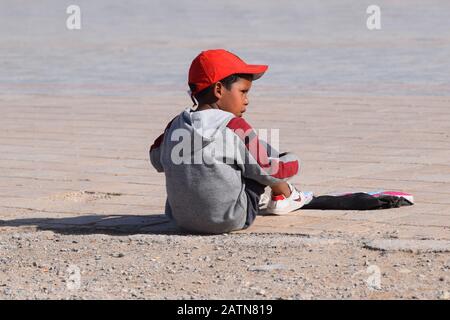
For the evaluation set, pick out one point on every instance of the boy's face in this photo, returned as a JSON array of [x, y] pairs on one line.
[[235, 100]]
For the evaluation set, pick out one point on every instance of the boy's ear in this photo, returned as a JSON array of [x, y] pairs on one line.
[[218, 90]]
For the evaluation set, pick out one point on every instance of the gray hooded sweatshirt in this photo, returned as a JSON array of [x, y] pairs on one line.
[[206, 157]]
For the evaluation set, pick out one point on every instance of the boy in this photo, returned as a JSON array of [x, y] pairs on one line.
[[210, 190]]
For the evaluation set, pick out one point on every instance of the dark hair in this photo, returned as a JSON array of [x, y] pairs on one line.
[[227, 83]]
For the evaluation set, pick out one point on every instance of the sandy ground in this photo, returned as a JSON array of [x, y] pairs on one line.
[[42, 265], [81, 208]]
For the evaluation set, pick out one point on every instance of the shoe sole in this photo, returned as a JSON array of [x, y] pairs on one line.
[[279, 212]]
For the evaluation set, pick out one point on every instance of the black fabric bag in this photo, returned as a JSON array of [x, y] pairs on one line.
[[356, 201]]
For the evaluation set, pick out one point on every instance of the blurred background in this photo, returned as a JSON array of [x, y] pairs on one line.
[[142, 47]]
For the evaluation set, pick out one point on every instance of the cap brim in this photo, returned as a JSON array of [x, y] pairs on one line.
[[256, 70]]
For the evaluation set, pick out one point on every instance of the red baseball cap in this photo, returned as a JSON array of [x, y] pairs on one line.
[[212, 66]]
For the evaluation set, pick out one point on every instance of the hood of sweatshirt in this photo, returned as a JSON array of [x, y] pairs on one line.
[[205, 125]]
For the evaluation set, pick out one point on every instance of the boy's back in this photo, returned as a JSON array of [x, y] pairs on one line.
[[204, 194]]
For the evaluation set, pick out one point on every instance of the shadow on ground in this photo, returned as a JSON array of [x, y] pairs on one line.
[[101, 224]]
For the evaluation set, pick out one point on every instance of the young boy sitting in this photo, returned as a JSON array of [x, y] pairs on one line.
[[216, 174]]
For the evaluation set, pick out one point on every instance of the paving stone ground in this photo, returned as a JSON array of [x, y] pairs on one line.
[[68, 159]]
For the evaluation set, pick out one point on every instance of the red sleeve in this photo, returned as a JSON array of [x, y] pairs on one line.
[[253, 145]]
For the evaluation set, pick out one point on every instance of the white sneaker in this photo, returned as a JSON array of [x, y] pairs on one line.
[[280, 205], [263, 201]]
